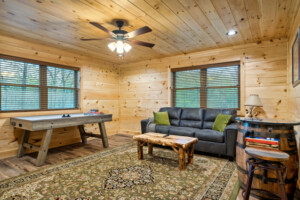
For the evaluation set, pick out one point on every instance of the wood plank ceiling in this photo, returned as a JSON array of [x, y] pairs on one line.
[[179, 26]]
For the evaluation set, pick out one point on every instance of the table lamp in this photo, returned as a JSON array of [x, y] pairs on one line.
[[253, 101]]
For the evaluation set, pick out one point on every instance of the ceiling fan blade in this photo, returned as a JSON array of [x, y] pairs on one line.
[[102, 28], [137, 32], [89, 39], [145, 44]]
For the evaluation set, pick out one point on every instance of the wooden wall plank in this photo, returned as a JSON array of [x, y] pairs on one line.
[[240, 15], [225, 13], [254, 16], [268, 21]]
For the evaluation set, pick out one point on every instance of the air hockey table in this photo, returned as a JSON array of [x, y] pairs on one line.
[[50, 122]]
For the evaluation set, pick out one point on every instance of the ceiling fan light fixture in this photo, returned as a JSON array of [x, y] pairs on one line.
[[127, 47], [112, 46]]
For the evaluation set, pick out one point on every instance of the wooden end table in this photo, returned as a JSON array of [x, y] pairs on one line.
[[180, 144]]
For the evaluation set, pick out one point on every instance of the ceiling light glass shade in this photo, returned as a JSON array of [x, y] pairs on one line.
[[127, 47], [112, 46], [120, 50], [119, 44]]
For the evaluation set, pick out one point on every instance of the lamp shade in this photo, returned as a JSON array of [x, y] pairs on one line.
[[253, 100]]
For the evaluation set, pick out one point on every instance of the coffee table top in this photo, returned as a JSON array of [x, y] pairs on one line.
[[171, 140]]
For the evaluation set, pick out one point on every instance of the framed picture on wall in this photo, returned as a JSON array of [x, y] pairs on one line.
[[295, 60]]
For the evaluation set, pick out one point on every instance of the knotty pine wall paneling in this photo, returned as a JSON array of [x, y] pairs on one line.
[[99, 89], [145, 86]]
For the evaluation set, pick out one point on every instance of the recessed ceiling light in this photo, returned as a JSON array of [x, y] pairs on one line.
[[231, 32]]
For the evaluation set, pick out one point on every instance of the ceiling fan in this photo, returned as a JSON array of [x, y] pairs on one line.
[[122, 38]]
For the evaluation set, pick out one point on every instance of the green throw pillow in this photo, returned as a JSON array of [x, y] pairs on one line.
[[161, 118], [221, 122]]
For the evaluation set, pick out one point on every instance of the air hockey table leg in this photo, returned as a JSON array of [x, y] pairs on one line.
[[103, 134], [24, 139], [44, 148], [82, 134]]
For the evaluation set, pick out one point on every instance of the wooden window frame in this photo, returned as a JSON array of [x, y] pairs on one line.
[[203, 87], [43, 84]]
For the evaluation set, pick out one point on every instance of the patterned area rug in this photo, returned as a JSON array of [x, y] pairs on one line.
[[118, 174]]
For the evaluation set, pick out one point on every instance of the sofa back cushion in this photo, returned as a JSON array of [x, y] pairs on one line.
[[211, 114], [192, 117], [174, 114]]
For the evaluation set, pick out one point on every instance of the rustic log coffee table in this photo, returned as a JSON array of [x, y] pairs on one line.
[[180, 144]]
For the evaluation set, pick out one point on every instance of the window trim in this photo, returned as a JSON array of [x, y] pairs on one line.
[[203, 88], [43, 84]]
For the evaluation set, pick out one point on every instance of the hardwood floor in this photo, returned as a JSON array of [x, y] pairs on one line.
[[13, 166]]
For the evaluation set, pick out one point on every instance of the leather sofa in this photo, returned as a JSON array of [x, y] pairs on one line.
[[198, 122]]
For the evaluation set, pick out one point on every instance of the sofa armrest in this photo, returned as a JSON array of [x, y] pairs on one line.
[[144, 123], [148, 125], [230, 134], [232, 126]]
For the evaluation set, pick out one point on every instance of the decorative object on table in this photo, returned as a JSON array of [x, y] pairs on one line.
[[279, 133], [48, 122], [295, 60], [255, 114], [252, 101], [94, 111], [118, 174]]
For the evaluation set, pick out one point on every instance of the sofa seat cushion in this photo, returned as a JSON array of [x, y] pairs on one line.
[[209, 135], [183, 131], [162, 129]]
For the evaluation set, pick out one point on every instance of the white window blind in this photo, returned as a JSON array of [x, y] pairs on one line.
[[26, 86], [216, 86]]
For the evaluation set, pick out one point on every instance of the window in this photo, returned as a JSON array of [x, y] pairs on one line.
[[27, 85], [213, 86]]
